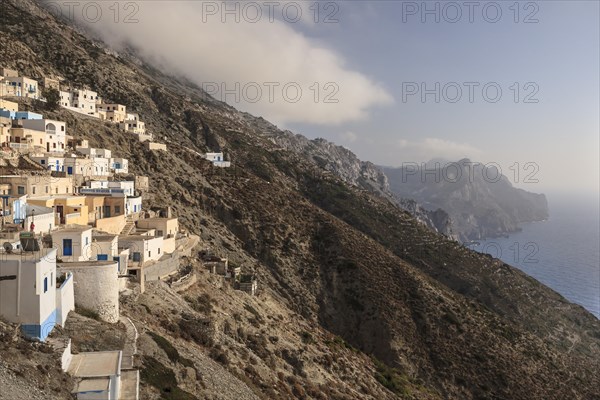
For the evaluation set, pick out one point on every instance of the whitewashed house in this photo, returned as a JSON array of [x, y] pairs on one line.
[[51, 163], [93, 152], [101, 376], [73, 243], [109, 188], [42, 219], [29, 289], [19, 86], [56, 132], [119, 165], [218, 160]]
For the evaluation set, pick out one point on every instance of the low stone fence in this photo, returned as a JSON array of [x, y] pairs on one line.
[[185, 282]]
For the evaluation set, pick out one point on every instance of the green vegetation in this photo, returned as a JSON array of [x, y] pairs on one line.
[[163, 378], [307, 337], [202, 303], [391, 379], [171, 351], [340, 343], [52, 97]]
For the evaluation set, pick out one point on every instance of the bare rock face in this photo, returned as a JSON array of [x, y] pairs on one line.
[[365, 175], [480, 202]]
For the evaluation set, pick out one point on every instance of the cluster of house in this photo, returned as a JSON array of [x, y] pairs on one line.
[[74, 233], [83, 101], [29, 132]]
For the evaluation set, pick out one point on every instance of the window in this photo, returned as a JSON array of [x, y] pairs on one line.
[[149, 253], [67, 247], [45, 284], [117, 210], [87, 241], [21, 190], [33, 190], [159, 233], [62, 128], [47, 190], [159, 251]]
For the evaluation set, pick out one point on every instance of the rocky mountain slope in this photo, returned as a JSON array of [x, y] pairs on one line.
[[358, 300], [480, 201], [345, 165]]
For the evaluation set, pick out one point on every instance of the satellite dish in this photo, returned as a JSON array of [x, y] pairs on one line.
[[8, 247]]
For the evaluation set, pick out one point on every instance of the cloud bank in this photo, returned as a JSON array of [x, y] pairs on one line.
[[262, 65], [429, 148]]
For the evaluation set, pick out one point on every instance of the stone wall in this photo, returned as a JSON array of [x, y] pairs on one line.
[[65, 300], [162, 268], [96, 287]]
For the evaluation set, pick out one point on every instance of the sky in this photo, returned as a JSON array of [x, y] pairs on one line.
[[510, 84]]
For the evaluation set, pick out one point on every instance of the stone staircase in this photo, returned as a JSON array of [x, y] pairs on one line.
[[128, 228], [26, 163]]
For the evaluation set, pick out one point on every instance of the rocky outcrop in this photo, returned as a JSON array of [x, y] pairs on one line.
[[365, 175], [479, 200]]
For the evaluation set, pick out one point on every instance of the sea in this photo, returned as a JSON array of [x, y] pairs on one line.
[[562, 252]]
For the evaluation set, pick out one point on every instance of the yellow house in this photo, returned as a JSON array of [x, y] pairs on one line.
[[37, 185], [69, 209], [9, 105], [114, 112], [27, 138]]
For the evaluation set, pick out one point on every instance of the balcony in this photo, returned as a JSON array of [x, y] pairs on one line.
[[18, 145], [114, 192]]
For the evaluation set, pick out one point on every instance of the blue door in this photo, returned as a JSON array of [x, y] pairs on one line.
[[70, 170], [67, 247]]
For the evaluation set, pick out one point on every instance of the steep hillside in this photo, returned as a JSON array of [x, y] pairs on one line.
[[344, 164], [358, 299]]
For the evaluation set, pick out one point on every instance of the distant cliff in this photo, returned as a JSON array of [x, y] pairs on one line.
[[481, 203]]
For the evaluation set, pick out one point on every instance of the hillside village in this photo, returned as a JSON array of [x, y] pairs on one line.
[[76, 233]]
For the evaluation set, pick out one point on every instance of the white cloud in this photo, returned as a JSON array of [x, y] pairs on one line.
[[429, 148], [263, 63], [348, 136]]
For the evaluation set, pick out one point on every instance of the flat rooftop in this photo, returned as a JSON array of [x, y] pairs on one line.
[[103, 238], [32, 256], [96, 364], [91, 263], [57, 197], [138, 237], [72, 228], [93, 385]]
